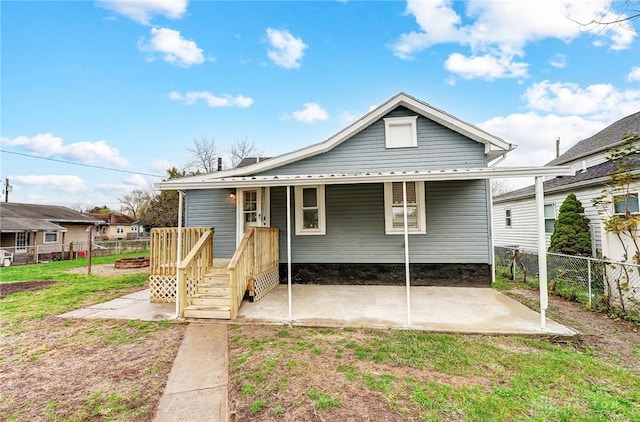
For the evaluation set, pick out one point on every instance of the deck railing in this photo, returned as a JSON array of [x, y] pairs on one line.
[[164, 247], [193, 268], [256, 254]]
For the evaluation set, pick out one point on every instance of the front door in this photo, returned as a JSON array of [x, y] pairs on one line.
[[252, 210]]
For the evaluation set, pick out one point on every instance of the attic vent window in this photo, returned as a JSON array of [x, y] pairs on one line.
[[401, 132]]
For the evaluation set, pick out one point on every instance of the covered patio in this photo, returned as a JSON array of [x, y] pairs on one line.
[[468, 310]]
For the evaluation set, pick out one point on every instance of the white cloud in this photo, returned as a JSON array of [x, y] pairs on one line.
[[559, 61], [68, 184], [285, 49], [486, 66], [536, 134], [634, 74], [48, 145], [173, 48], [496, 31], [141, 11], [601, 101], [347, 117], [192, 97], [310, 112], [161, 166]]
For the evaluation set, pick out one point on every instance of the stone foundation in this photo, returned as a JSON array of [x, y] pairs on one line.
[[460, 275]]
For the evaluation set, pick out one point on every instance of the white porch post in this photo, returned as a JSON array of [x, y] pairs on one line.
[[289, 251], [406, 250], [542, 251], [179, 252]]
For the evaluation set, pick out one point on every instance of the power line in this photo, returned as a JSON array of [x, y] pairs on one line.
[[79, 164]]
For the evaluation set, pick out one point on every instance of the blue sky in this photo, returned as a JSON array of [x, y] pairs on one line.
[[129, 85]]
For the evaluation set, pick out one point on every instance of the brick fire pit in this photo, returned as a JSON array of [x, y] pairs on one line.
[[139, 262]]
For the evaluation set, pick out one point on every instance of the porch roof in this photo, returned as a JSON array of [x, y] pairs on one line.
[[214, 182]]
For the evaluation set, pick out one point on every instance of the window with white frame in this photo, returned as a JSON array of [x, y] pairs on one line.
[[310, 212], [401, 132], [507, 217], [21, 241], [549, 217], [624, 203], [394, 208], [50, 237], [120, 229]]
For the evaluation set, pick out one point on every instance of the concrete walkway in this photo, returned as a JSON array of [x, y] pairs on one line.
[[132, 306], [197, 389]]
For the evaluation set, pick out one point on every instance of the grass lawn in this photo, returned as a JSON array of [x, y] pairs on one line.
[[309, 374], [76, 369]]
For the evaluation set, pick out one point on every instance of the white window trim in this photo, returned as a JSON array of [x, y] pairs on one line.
[[25, 246], [613, 203], [508, 220], [44, 237], [322, 220], [554, 218], [119, 229], [388, 215], [401, 121]]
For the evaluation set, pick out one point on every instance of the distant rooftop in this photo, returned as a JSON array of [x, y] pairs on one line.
[[592, 173], [251, 160], [606, 138]]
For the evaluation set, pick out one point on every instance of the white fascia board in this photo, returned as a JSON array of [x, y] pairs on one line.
[[457, 125], [356, 178], [494, 146], [568, 187]]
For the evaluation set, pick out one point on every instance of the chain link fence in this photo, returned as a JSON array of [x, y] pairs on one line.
[[592, 281]]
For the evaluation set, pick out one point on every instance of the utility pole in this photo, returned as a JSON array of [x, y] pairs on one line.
[[7, 188]]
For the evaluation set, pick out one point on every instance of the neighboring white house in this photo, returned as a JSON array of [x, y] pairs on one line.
[[514, 214]]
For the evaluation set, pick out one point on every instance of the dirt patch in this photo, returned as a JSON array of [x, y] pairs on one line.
[[59, 369], [23, 286], [617, 339], [108, 270]]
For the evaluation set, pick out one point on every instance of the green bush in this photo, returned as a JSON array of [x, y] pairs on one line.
[[571, 232]]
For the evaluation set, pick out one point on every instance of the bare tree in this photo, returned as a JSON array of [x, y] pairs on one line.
[[135, 202], [500, 186], [243, 148], [204, 155], [627, 11]]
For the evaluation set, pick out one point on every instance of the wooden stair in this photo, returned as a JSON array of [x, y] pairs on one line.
[[212, 298]]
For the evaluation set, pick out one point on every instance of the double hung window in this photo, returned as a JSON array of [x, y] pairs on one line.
[[394, 208], [310, 212]]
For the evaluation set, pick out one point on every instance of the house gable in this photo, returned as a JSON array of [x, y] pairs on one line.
[[438, 147], [492, 146]]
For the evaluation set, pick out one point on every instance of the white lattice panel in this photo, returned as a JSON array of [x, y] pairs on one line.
[[163, 288], [265, 282]]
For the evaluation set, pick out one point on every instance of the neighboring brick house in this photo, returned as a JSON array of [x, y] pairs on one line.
[[117, 226]]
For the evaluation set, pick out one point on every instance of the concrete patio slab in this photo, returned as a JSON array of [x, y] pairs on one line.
[[439, 309]]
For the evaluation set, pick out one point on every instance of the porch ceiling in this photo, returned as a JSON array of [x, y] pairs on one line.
[[368, 177]]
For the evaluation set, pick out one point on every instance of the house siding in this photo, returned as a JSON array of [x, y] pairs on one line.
[[523, 231], [457, 226], [438, 148], [213, 208]]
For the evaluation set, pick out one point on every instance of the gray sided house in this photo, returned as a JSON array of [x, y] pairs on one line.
[[404, 170], [514, 213]]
